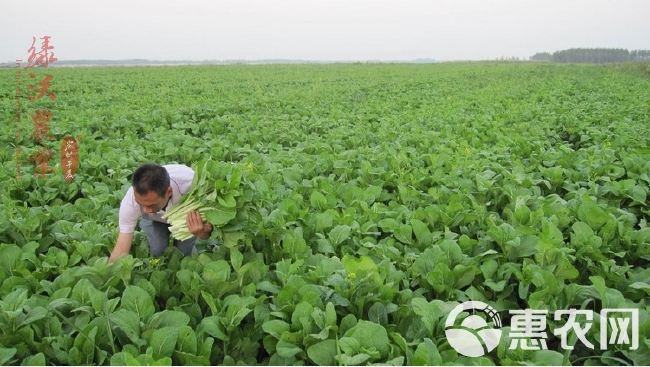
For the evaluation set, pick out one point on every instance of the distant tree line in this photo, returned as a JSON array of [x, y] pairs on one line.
[[593, 55]]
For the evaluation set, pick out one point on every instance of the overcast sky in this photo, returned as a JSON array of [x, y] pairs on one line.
[[344, 30]]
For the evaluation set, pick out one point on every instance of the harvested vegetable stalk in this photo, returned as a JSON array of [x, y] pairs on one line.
[[213, 194]]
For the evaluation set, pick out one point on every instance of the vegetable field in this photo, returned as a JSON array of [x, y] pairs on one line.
[[370, 200]]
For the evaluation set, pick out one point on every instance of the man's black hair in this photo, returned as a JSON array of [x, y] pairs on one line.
[[150, 177]]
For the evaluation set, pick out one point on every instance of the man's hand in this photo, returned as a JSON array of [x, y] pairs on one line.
[[122, 247], [196, 225]]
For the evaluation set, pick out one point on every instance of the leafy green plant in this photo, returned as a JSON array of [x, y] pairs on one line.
[[355, 206]]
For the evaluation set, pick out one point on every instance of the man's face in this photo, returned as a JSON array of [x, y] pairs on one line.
[[151, 202]]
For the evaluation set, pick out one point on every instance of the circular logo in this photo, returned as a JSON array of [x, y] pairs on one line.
[[474, 337]]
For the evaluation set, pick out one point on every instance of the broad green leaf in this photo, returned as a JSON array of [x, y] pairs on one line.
[[547, 358], [430, 312], [421, 231], [34, 314], [302, 310], [608, 232], [6, 354], [463, 275], [403, 233], [227, 201], [323, 221], [370, 335], [275, 328], [522, 212], [591, 213], [85, 344], [389, 225], [527, 247], [318, 317], [149, 360], [219, 216], [361, 267], [286, 349], [323, 353], [189, 359], [325, 246], [318, 200], [216, 272], [611, 298], [330, 314], [502, 234], [641, 286], [347, 323], [168, 318], [347, 360], [159, 280], [76, 357], [599, 284], [551, 235], [401, 342], [371, 194], [163, 341], [639, 357], [377, 314], [36, 360], [582, 234], [453, 251], [214, 327], [206, 347], [237, 308], [187, 341], [127, 321], [12, 304], [10, 256], [339, 234], [638, 194], [234, 177], [349, 346], [123, 359], [566, 270], [489, 268], [496, 286], [236, 259], [441, 278], [146, 286], [139, 301], [475, 361], [327, 266], [86, 293], [426, 261], [231, 239], [293, 243], [426, 354]]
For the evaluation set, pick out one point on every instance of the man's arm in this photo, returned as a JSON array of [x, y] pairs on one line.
[[122, 247]]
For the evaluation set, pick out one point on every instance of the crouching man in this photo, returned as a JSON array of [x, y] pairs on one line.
[[154, 190]]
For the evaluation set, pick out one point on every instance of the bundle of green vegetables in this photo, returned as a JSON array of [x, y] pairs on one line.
[[214, 194]]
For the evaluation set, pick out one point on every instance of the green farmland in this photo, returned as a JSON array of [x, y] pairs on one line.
[[375, 198]]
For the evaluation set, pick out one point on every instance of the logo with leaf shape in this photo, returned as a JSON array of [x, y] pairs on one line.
[[474, 337]]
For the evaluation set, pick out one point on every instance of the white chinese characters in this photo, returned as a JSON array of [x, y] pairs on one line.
[[618, 326]]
